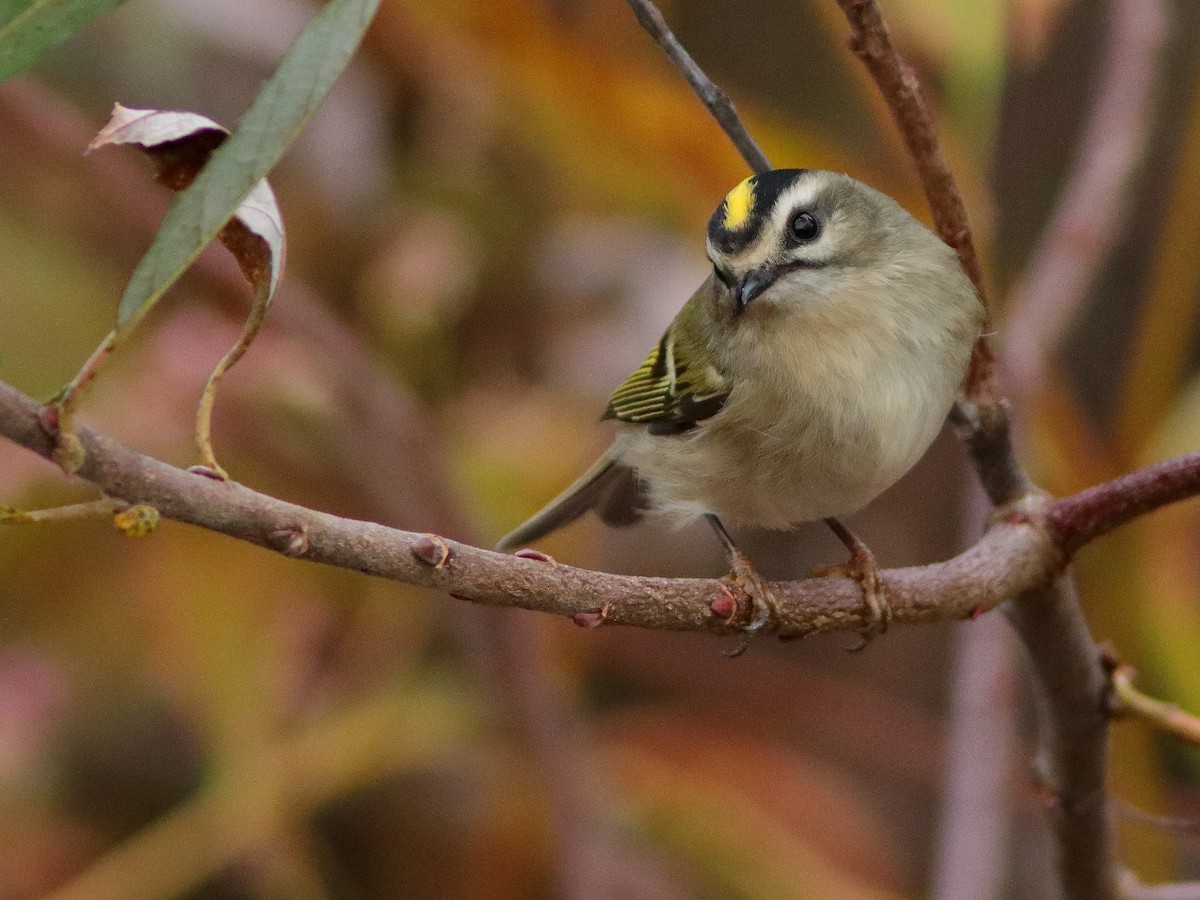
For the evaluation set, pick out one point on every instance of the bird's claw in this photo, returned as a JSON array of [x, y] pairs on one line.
[[764, 608], [862, 568]]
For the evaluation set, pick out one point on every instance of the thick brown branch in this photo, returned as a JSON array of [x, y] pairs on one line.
[[1071, 691], [1015, 557], [719, 106]]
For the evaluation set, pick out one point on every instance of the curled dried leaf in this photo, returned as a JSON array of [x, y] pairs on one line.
[[229, 189], [180, 145]]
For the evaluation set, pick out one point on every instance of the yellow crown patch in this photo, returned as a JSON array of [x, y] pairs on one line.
[[738, 204]]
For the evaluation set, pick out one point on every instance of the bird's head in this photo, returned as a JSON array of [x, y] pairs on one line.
[[778, 234]]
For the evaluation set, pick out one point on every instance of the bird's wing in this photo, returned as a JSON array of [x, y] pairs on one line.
[[608, 487], [673, 390]]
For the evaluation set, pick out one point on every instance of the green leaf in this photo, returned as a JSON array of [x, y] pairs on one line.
[[29, 27], [282, 107]]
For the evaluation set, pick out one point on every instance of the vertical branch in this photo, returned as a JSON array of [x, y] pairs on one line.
[[1074, 722], [981, 415], [1049, 622], [1064, 266], [872, 43]]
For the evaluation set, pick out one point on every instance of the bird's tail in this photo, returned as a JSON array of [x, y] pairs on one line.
[[610, 488]]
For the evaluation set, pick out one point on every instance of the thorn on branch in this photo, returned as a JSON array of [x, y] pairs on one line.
[[593, 618], [291, 541], [432, 550], [208, 472], [536, 555]]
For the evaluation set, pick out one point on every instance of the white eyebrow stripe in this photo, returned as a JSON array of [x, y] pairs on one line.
[[803, 193]]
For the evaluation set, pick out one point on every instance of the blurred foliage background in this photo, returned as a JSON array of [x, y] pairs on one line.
[[498, 209]]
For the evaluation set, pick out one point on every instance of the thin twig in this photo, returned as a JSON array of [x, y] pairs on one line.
[[872, 43], [1127, 700], [104, 508], [719, 106], [1176, 824]]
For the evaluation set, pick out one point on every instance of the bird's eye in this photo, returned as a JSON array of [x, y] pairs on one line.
[[804, 227]]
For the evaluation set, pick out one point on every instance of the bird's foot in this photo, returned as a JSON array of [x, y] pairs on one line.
[[862, 568], [764, 608]]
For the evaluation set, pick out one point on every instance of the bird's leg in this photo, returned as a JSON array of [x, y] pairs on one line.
[[764, 608], [862, 568]]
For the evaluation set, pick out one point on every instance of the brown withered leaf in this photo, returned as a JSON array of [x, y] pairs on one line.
[[180, 144]]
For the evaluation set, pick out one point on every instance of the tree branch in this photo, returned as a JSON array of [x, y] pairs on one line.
[[1074, 724], [1132, 889], [1017, 555], [1047, 617], [1082, 517], [872, 43], [719, 106], [1127, 700]]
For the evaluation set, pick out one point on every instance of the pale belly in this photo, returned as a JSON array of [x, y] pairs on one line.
[[801, 463]]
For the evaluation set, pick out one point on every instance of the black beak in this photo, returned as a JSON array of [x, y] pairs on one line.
[[752, 284]]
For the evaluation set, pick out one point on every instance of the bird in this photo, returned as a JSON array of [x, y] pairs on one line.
[[810, 370]]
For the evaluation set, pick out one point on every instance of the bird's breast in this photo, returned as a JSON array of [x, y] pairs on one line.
[[810, 430]]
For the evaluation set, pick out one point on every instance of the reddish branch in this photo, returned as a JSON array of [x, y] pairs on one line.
[[1075, 520], [872, 43], [1048, 619], [1020, 553]]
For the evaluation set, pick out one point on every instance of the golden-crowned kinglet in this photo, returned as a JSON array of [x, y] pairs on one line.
[[809, 371]]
